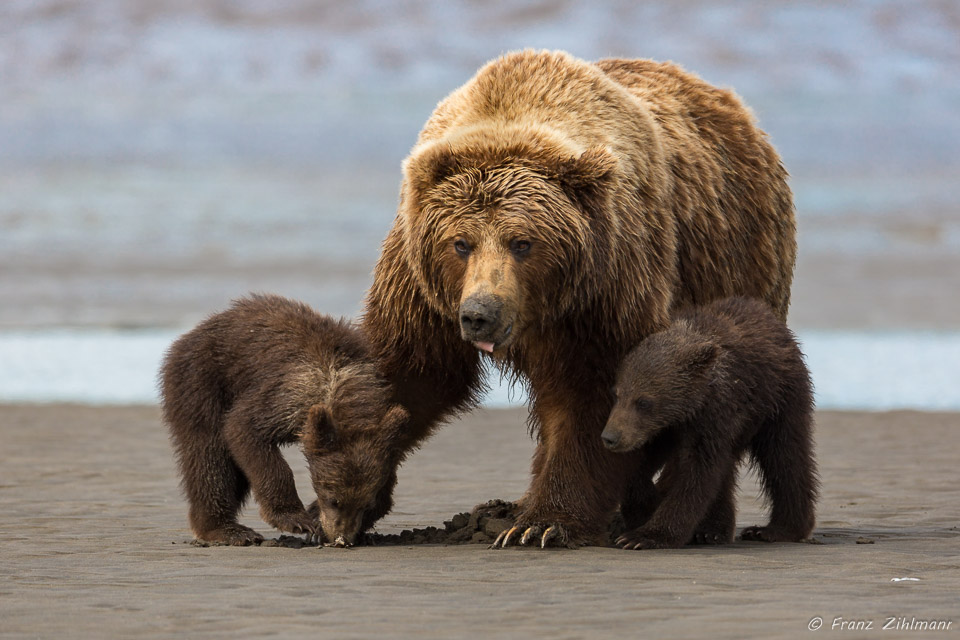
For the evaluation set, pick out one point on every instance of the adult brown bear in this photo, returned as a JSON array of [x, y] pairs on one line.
[[553, 213]]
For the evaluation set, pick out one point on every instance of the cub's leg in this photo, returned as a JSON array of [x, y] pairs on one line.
[[783, 453], [690, 489], [216, 490], [642, 496], [720, 523], [270, 476]]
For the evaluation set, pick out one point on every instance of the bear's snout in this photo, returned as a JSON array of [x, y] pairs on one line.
[[481, 320], [611, 439]]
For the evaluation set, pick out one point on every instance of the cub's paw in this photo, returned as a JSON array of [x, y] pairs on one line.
[[235, 535], [640, 539], [707, 537], [535, 535], [294, 522], [769, 534], [713, 534]]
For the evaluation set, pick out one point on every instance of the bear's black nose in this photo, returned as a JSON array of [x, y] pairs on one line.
[[479, 317], [610, 439]]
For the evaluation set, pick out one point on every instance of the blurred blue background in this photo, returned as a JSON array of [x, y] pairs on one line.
[[158, 158]]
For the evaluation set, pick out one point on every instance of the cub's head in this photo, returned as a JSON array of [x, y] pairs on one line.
[[500, 237], [353, 451], [662, 382]]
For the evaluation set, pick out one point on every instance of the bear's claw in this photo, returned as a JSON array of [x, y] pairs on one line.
[[639, 539], [708, 538], [769, 533], [552, 532], [503, 540], [531, 533], [297, 522], [553, 535]]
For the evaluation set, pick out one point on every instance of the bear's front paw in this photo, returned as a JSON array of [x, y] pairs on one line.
[[231, 534], [709, 537], [535, 535], [770, 534], [642, 539], [295, 522]]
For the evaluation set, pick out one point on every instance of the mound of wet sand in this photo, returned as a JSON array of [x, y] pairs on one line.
[[480, 526]]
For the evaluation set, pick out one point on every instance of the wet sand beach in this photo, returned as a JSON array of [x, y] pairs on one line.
[[94, 540]]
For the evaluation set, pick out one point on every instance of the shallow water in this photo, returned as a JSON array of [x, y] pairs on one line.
[[158, 159], [851, 370]]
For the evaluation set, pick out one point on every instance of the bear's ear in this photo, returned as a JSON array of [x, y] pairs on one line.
[[584, 178], [319, 434], [395, 420], [430, 165], [702, 356]]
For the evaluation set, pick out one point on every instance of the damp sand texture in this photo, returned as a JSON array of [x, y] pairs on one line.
[[93, 527]]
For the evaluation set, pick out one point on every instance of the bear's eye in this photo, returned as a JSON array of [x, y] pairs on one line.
[[519, 247], [334, 503], [643, 404], [462, 247]]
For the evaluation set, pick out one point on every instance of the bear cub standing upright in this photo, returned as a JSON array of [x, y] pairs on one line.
[[267, 372], [723, 379]]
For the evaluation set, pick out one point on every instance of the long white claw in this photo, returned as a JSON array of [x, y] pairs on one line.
[[548, 535], [499, 538], [510, 533], [529, 534], [504, 538]]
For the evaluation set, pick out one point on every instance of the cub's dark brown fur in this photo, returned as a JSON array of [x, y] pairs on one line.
[[723, 379], [268, 372]]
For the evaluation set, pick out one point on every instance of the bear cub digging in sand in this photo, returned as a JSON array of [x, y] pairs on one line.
[[268, 372], [723, 379]]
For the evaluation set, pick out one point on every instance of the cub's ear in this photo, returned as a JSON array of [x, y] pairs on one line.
[[395, 420], [429, 165], [702, 356], [586, 177], [319, 434]]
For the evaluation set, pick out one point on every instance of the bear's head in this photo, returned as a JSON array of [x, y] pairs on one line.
[[352, 452], [501, 235], [661, 383]]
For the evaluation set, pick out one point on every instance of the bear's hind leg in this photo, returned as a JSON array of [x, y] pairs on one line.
[[783, 453]]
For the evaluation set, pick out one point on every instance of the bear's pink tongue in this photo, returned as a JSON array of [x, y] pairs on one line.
[[486, 346]]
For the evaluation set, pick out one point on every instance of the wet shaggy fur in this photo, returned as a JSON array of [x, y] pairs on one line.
[[723, 380], [269, 372], [553, 213]]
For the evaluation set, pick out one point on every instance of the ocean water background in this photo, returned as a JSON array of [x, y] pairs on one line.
[[160, 158]]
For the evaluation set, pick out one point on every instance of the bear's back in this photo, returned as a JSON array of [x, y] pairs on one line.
[[727, 177], [761, 359], [547, 94], [260, 341]]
